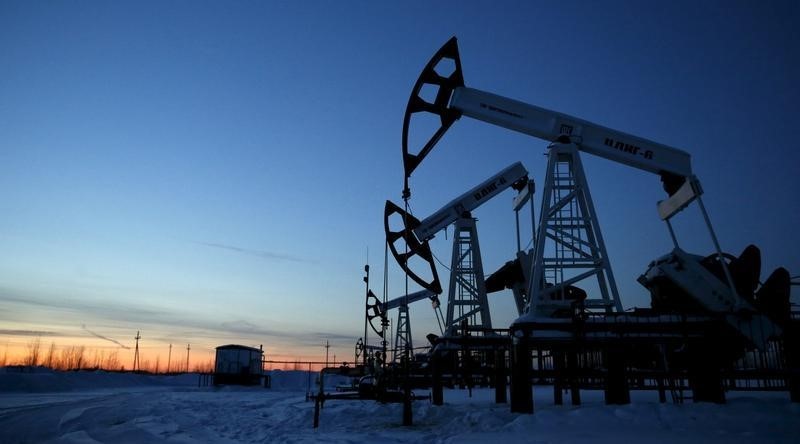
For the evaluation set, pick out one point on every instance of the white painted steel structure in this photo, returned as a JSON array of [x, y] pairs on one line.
[[568, 219]]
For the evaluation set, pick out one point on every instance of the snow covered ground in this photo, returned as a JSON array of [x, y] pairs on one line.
[[89, 407]]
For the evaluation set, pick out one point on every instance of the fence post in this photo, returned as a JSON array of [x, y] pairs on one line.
[[521, 388], [500, 376], [617, 390]]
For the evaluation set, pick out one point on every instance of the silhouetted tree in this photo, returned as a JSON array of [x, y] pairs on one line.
[[32, 358], [48, 362], [112, 362], [72, 358]]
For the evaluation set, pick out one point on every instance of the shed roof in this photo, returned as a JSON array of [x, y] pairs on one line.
[[239, 347]]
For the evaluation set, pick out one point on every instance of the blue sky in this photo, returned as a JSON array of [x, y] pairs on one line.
[[215, 172]]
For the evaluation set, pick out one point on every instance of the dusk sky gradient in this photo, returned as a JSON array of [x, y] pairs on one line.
[[215, 172]]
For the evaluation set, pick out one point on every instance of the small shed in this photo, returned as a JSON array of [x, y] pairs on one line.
[[238, 364]]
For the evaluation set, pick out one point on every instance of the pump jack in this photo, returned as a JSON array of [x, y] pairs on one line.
[[467, 300], [692, 296], [379, 310], [568, 218]]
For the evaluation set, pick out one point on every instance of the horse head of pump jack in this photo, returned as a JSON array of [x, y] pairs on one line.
[[446, 84]]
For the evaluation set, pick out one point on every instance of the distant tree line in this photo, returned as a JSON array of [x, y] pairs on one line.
[[78, 357]]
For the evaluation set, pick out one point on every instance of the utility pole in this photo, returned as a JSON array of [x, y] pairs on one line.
[[366, 293], [136, 353], [188, 347], [327, 346], [169, 358]]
